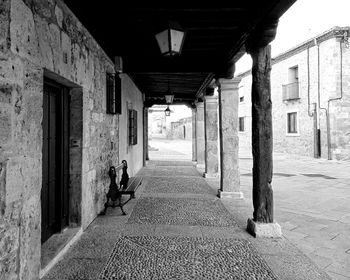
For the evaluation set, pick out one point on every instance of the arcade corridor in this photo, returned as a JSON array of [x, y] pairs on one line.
[[177, 228]]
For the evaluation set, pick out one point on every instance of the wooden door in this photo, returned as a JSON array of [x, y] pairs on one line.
[[54, 194]]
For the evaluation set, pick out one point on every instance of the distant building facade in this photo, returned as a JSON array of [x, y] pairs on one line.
[[310, 98], [175, 126], [181, 129]]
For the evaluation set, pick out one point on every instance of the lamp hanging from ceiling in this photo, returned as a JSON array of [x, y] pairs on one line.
[[170, 40], [167, 111], [169, 98]]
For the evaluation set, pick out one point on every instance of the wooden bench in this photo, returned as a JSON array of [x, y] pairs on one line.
[[127, 186]]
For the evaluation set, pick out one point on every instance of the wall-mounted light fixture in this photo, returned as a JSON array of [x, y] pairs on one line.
[[170, 40], [167, 111], [168, 99]]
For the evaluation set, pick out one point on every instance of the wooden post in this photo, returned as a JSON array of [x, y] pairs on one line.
[[258, 46], [262, 135]]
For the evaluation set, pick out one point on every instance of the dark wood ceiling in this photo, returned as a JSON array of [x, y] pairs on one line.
[[214, 41]]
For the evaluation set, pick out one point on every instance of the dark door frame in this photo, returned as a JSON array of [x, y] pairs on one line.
[[61, 150]]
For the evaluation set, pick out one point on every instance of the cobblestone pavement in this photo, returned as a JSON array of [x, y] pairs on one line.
[[185, 258], [181, 211], [193, 185], [311, 198], [180, 232]]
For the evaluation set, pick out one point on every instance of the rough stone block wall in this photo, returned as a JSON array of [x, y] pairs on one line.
[[302, 143], [40, 39], [329, 86], [340, 109], [245, 111]]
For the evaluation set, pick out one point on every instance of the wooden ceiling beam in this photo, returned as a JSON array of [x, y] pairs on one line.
[[167, 65]]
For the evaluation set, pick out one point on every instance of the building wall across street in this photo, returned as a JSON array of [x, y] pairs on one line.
[[43, 41], [181, 129], [319, 71]]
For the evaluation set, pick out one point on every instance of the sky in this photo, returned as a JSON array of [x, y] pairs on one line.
[[304, 20]]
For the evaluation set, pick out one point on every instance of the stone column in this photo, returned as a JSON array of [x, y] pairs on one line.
[[211, 136], [228, 135], [194, 138], [145, 135], [262, 222], [200, 147]]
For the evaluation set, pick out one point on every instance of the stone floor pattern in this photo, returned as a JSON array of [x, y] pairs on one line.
[[176, 228], [185, 258]]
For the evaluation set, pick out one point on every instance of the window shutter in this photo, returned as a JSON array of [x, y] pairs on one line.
[[110, 93], [132, 127], [118, 94]]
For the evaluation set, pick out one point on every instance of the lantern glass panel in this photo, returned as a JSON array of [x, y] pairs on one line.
[[163, 41], [176, 40]]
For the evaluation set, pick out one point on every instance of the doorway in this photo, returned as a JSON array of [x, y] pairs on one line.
[[55, 160]]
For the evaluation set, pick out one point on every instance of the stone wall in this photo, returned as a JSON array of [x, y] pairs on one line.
[[182, 129], [40, 39], [244, 111], [340, 108], [131, 99], [329, 85]]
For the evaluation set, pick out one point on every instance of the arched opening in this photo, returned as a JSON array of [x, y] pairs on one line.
[[170, 137]]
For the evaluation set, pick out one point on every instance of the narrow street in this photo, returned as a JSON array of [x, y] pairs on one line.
[[311, 202]]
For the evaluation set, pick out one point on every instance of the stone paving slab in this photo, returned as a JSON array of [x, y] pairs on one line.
[[178, 185], [298, 266], [77, 269], [165, 257], [181, 211]]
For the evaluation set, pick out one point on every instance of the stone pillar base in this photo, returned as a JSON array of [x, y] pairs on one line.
[[210, 176], [234, 195], [272, 230]]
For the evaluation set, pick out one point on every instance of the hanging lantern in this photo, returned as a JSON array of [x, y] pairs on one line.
[[169, 99], [170, 41], [167, 111]]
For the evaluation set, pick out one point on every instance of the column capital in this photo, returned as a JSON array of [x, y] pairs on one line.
[[200, 105], [211, 99], [228, 84]]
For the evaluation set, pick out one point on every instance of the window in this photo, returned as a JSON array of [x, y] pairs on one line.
[[293, 74], [292, 123], [241, 99], [113, 93], [241, 124], [132, 127], [290, 91]]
